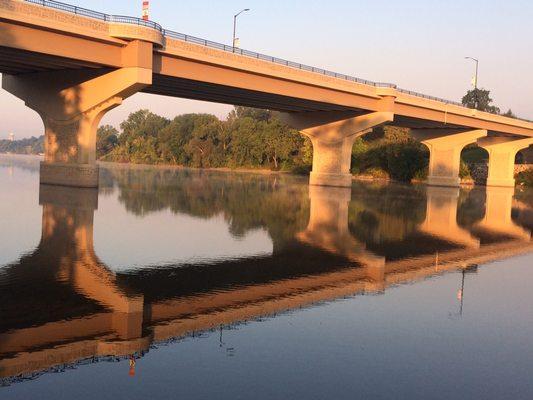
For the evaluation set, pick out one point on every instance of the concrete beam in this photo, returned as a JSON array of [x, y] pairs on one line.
[[445, 148], [502, 152]]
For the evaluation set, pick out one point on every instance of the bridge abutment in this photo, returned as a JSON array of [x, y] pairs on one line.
[[502, 153], [445, 153], [332, 135]]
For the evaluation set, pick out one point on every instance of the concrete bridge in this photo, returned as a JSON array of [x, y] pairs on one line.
[[93, 312], [72, 65]]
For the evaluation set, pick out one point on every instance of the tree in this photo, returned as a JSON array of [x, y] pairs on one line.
[[205, 148], [509, 113], [106, 140], [248, 138], [141, 123], [480, 100]]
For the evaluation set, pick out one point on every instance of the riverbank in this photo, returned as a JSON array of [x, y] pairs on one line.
[[262, 171], [478, 171]]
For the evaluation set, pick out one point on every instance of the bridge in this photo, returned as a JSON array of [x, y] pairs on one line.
[[72, 65], [92, 312]]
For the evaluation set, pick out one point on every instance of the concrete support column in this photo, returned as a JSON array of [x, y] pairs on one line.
[[445, 148], [332, 135], [71, 104], [331, 162], [502, 152]]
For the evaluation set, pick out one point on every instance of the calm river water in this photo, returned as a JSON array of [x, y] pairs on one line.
[[171, 284]]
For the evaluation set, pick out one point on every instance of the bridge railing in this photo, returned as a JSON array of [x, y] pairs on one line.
[[275, 60], [426, 96], [208, 43], [85, 12]]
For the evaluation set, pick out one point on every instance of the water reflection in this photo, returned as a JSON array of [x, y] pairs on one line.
[[61, 304]]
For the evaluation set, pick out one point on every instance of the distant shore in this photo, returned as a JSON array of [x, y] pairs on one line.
[[264, 171]]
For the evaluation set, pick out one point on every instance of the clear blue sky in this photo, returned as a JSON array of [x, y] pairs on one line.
[[417, 44]]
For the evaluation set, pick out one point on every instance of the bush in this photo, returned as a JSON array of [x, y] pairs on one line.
[[421, 174], [525, 178], [398, 159], [301, 169], [404, 160], [464, 171], [377, 173]]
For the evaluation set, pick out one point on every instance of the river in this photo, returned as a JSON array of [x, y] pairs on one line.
[[173, 283]]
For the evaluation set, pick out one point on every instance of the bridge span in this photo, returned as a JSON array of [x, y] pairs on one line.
[[72, 65]]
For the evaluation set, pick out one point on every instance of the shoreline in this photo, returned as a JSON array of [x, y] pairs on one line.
[[262, 171], [258, 171]]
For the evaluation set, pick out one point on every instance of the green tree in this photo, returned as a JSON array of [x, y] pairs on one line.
[[106, 140], [204, 149], [247, 138], [480, 100], [509, 113]]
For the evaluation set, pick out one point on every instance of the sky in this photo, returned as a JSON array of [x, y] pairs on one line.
[[417, 44]]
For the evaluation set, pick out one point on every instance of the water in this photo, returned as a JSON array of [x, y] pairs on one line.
[[169, 283]]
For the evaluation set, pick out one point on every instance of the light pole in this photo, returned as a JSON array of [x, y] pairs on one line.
[[233, 43], [477, 64], [475, 81]]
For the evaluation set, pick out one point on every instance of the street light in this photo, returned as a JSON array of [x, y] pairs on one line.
[[477, 64], [476, 105], [235, 27]]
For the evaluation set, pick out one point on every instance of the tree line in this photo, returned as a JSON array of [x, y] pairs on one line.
[[248, 138], [32, 145]]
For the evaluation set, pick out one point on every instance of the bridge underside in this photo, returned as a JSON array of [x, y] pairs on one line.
[[204, 91], [17, 61], [196, 90]]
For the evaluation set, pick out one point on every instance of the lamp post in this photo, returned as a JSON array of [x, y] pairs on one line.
[[477, 64], [475, 81], [233, 43]]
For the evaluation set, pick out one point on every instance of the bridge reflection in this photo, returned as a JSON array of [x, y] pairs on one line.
[[61, 304]]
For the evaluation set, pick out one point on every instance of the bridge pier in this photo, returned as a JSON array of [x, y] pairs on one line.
[[71, 104], [445, 153], [502, 152], [332, 135]]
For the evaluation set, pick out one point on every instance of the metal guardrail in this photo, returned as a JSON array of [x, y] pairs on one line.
[[204, 42], [95, 14], [426, 96]]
